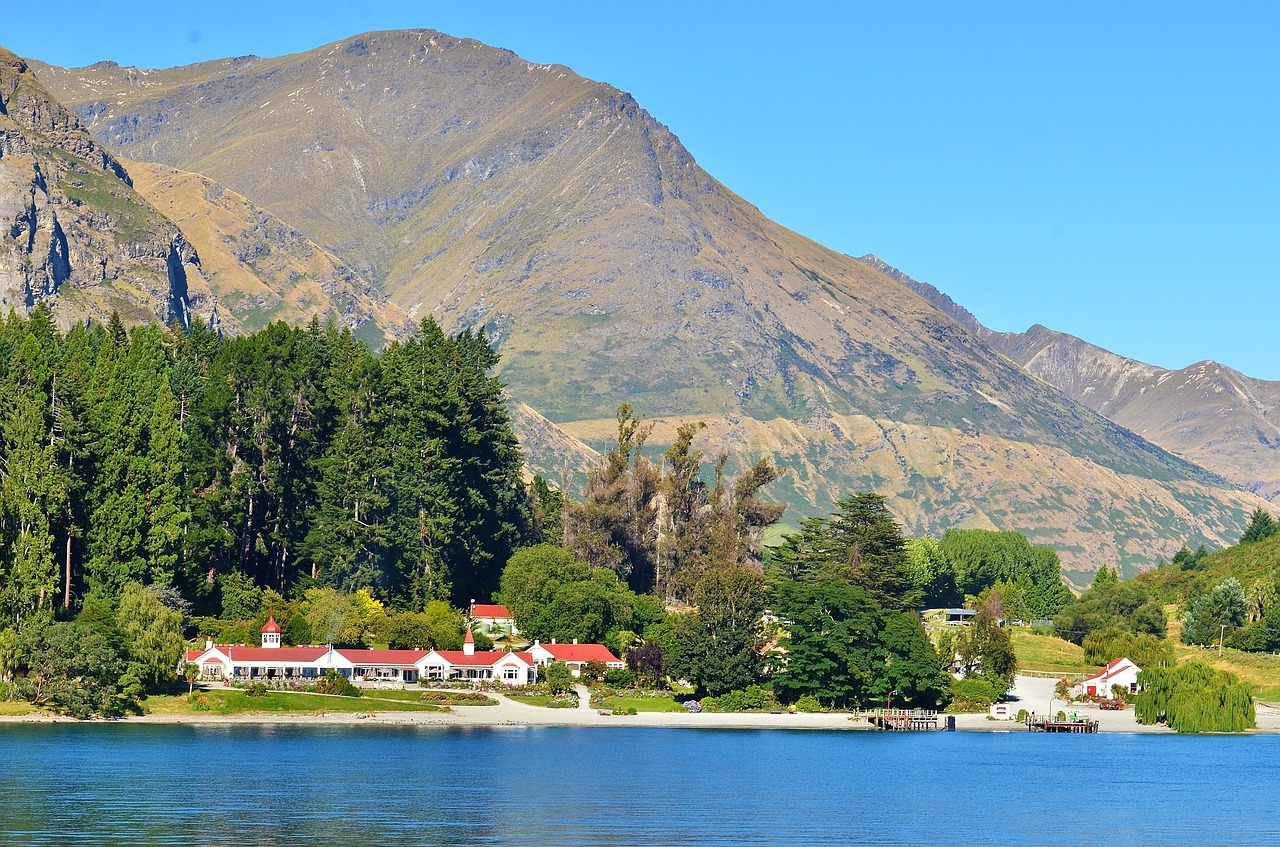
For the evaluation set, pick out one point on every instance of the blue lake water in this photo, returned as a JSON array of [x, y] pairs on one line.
[[72, 784]]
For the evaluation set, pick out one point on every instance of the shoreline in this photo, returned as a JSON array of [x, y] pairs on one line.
[[1027, 693]]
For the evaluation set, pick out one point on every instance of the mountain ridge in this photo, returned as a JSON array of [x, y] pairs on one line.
[[606, 266], [1208, 413]]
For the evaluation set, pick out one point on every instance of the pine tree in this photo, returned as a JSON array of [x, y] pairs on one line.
[[1261, 527]]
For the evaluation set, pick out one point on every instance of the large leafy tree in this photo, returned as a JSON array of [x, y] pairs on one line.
[[982, 559], [718, 646], [553, 594]]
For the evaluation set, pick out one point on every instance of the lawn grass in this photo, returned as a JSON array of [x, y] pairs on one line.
[[1048, 653], [544, 700], [643, 704], [9, 708], [236, 702]]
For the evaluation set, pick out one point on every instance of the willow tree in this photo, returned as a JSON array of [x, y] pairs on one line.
[[1194, 698]]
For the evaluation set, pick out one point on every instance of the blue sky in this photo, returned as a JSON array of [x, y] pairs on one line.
[[1110, 170]]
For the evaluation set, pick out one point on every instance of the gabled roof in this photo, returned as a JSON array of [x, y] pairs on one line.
[[1114, 667], [275, 655], [480, 659], [489, 610], [386, 658], [580, 652]]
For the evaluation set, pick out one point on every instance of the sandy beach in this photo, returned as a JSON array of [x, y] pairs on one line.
[[1029, 693]]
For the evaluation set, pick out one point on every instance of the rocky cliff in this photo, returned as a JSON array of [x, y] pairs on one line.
[[73, 231]]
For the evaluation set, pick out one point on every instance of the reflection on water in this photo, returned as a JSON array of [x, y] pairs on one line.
[[248, 785]]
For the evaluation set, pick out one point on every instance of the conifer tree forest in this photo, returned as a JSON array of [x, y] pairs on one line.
[[293, 456]]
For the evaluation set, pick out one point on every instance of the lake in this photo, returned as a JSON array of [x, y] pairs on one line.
[[72, 784]]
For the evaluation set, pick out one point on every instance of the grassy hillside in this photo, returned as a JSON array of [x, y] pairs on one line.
[[1248, 563]]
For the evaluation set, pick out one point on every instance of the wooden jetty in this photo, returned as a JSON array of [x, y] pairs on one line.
[[903, 720], [1072, 724]]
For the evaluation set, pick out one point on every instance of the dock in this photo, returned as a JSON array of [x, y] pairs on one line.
[[1073, 724], [903, 720]]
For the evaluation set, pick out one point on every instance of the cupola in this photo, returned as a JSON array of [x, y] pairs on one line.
[[271, 633]]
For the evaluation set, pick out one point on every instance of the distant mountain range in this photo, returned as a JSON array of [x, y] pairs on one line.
[[1206, 413], [396, 175]]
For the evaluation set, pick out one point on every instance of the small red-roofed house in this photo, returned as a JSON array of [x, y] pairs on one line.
[[574, 655], [1120, 672], [493, 619]]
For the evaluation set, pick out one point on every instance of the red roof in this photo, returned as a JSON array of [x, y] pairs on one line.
[[274, 654], [1112, 668], [384, 658], [483, 658], [271, 625], [490, 610], [468, 639], [581, 652]]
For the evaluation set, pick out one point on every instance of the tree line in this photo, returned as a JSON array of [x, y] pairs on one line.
[[293, 456]]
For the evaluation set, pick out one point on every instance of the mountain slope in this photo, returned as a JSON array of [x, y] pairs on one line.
[[259, 268], [73, 232], [551, 210], [1206, 413]]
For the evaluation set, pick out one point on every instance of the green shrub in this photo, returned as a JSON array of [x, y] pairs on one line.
[[336, 683], [594, 671], [256, 689], [974, 694], [752, 698], [809, 704], [619, 678]]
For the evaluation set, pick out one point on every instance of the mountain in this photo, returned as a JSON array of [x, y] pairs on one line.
[[1206, 413], [260, 269], [74, 231], [486, 191]]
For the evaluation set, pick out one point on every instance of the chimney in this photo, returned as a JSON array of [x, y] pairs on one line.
[[553, 641], [575, 641], [468, 644], [208, 643]]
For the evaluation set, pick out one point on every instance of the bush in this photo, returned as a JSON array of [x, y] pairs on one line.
[[558, 677], [752, 698], [974, 694], [336, 683], [594, 671], [808, 703], [619, 678], [256, 689]]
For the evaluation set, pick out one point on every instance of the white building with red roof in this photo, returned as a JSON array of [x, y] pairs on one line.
[[574, 655], [493, 619], [272, 661], [1120, 672]]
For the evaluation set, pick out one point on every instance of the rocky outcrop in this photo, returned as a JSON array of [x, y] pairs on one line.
[[73, 232]]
